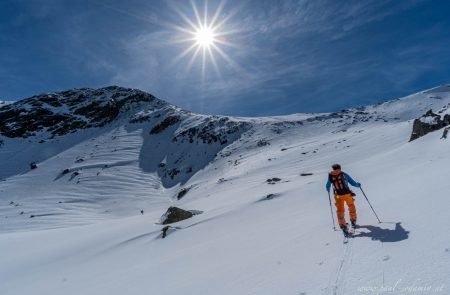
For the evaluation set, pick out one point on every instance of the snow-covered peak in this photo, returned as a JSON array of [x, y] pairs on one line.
[[60, 113], [181, 142], [67, 111]]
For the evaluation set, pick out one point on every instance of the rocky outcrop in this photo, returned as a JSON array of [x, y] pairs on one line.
[[273, 180], [213, 130], [445, 133], [182, 193], [166, 123], [429, 122], [174, 214], [68, 111]]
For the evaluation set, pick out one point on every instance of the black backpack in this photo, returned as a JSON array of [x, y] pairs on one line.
[[340, 186]]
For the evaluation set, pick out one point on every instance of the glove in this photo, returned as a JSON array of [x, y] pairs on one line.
[[358, 184]]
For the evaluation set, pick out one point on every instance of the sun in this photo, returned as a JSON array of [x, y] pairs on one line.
[[205, 37]]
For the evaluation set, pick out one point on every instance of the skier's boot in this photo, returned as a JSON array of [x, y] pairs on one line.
[[354, 225], [345, 230]]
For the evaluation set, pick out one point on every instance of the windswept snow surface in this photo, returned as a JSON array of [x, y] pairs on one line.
[[87, 235]]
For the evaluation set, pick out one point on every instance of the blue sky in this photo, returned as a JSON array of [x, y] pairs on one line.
[[282, 57]]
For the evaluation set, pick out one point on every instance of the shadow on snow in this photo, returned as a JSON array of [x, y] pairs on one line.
[[383, 234]]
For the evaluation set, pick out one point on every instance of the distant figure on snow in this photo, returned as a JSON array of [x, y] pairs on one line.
[[342, 195], [142, 211]]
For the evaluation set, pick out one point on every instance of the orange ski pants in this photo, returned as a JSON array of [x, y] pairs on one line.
[[340, 201]]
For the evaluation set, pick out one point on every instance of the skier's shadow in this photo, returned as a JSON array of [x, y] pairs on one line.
[[384, 235]]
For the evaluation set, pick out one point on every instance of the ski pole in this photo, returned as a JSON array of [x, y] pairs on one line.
[[331, 209], [379, 221]]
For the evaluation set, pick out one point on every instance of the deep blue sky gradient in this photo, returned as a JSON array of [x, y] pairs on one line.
[[288, 56]]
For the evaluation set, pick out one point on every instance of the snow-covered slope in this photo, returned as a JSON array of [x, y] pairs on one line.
[[254, 236]]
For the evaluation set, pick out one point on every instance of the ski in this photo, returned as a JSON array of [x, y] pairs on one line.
[[347, 235]]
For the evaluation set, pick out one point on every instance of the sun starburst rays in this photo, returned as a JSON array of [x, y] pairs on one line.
[[204, 37]]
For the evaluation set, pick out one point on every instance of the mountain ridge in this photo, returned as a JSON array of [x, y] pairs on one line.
[[50, 117]]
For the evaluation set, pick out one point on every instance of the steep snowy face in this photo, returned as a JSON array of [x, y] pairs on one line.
[[68, 111], [174, 143]]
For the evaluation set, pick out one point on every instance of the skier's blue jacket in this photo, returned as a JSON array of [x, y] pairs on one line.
[[347, 180]]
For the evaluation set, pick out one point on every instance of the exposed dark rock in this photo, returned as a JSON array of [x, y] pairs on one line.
[[428, 123], [166, 123], [273, 180], [164, 231], [306, 174], [167, 230], [174, 214], [67, 111], [65, 171], [50, 100], [444, 134], [269, 197], [182, 193], [211, 131], [446, 119], [73, 175], [173, 172], [33, 165], [262, 142]]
